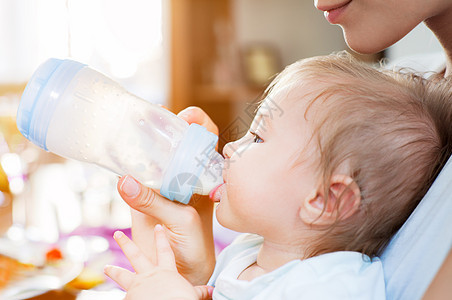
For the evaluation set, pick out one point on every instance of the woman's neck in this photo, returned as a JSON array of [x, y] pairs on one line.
[[441, 26]]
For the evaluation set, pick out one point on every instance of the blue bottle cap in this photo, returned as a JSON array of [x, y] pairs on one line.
[[40, 98]]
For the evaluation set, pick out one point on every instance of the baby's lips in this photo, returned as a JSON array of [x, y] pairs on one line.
[[215, 194]]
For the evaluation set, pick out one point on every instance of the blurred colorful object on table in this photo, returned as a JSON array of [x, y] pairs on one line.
[[87, 279], [53, 255]]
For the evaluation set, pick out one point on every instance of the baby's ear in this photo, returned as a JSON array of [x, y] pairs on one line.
[[344, 198]]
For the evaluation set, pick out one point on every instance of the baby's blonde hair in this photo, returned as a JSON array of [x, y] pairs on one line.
[[392, 130]]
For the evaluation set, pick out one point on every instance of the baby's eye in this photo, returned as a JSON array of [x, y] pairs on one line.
[[257, 138]]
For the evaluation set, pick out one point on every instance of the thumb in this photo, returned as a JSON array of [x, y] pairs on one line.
[[204, 292], [149, 202]]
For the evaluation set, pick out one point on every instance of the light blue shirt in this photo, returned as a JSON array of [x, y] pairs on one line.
[[336, 275]]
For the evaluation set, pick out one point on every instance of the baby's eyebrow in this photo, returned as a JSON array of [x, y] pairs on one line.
[[263, 121]]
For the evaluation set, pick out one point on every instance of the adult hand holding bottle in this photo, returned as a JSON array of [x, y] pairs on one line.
[[188, 227]]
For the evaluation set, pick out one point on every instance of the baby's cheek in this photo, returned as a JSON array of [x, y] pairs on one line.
[[246, 179]]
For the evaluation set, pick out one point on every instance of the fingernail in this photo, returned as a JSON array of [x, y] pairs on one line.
[[118, 234], [158, 227], [107, 268], [210, 290], [184, 113], [130, 187]]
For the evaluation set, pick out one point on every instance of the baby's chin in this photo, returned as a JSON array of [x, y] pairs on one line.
[[226, 221], [222, 220]]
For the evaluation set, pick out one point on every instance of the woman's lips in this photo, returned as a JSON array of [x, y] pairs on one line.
[[215, 194], [332, 13]]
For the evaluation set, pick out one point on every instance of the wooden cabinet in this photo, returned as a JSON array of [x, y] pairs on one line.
[[205, 63]]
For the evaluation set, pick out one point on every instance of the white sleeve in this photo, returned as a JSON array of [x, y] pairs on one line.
[[240, 243], [345, 279]]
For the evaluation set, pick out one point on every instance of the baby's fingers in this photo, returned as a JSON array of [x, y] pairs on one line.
[[137, 259], [165, 255], [121, 276]]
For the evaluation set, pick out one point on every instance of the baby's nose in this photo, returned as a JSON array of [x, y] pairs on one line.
[[228, 150]]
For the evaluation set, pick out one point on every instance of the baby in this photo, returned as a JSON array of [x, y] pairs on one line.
[[336, 159]]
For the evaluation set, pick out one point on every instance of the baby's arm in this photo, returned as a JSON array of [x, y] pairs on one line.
[[159, 281]]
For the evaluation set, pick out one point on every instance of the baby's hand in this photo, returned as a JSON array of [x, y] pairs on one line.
[[161, 281]]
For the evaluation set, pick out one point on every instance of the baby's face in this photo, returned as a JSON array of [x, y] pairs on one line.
[[265, 180]]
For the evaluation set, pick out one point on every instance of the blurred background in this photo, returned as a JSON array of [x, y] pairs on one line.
[[218, 55]]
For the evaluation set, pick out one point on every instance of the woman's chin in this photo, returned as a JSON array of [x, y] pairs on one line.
[[366, 46], [372, 39]]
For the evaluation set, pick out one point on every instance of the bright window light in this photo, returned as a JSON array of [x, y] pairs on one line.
[[122, 39]]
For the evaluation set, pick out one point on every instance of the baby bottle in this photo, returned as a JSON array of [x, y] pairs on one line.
[[76, 112]]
